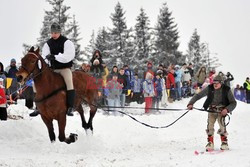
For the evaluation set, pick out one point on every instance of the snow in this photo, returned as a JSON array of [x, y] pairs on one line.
[[120, 141]]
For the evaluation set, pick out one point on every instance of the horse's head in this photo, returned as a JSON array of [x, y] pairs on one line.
[[31, 64]]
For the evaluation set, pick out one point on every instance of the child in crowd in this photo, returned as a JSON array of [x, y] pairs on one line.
[[3, 100]]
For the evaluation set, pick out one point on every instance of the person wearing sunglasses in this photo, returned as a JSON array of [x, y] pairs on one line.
[[220, 100]]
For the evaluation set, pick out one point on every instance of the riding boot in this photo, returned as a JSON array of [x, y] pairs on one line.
[[224, 144], [210, 144], [70, 102], [35, 113]]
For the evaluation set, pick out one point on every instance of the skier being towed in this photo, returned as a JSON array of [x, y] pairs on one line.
[[221, 101]]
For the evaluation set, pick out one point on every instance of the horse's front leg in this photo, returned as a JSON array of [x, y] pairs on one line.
[[61, 125], [49, 124]]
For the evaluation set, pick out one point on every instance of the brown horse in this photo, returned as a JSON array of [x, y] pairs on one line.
[[51, 94]]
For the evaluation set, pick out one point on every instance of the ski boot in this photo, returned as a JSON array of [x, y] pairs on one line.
[[224, 144], [210, 144]]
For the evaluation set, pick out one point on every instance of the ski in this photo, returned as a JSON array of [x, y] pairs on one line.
[[211, 152]]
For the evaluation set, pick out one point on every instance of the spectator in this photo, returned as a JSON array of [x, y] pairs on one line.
[[178, 77], [104, 82], [137, 89], [130, 77], [113, 93], [229, 78], [164, 90], [200, 76], [211, 75], [186, 81], [96, 64], [113, 71], [239, 93], [158, 91], [191, 70], [85, 67], [149, 69], [122, 79], [170, 85], [2, 74], [11, 71], [246, 86], [205, 84], [148, 91], [3, 100]]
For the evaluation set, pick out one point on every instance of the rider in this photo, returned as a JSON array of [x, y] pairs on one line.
[[59, 52]]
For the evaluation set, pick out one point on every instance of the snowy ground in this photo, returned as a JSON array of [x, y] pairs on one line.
[[120, 141]]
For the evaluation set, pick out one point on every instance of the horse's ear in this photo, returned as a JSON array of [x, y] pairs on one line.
[[37, 50], [31, 49]]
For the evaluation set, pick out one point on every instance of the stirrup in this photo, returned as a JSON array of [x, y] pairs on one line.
[[34, 113], [70, 111]]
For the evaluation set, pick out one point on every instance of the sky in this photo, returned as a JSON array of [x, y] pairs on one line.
[[223, 24]]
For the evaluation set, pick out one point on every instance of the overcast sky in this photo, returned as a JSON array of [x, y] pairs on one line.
[[224, 24]]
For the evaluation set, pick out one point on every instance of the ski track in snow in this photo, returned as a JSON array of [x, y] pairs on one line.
[[120, 141]]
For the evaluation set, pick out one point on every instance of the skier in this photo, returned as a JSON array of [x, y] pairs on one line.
[[220, 99]]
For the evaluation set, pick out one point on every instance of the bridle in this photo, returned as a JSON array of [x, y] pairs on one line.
[[30, 73]]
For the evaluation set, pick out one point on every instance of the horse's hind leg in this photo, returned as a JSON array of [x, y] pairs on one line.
[[92, 111], [81, 112], [49, 124]]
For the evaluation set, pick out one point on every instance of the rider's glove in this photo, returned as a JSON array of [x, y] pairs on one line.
[[50, 57]]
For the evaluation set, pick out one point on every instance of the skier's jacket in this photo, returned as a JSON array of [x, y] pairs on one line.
[[216, 97]]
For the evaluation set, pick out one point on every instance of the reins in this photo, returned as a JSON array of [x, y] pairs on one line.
[[158, 127]]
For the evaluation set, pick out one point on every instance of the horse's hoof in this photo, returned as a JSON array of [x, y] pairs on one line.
[[89, 132], [73, 137]]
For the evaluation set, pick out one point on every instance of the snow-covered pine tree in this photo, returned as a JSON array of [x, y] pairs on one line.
[[57, 14], [102, 43], [129, 49], [74, 37], [210, 62], [195, 51], [142, 38], [166, 42], [118, 35], [90, 48]]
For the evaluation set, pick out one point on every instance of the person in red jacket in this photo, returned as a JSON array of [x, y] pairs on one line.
[[170, 85], [3, 100]]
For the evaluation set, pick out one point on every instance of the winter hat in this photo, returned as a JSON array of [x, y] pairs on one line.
[[13, 60], [1, 79], [218, 78], [96, 62], [55, 27], [177, 66], [149, 63], [159, 72]]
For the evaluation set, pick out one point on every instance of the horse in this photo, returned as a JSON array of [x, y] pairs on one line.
[[50, 97]]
